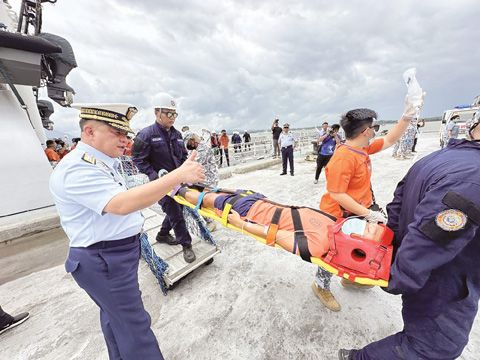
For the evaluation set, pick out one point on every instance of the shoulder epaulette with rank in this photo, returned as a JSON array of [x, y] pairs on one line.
[[89, 159]]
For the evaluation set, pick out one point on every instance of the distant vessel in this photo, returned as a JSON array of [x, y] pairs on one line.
[[29, 59]]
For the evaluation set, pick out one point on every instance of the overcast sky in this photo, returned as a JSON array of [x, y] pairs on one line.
[[239, 64]]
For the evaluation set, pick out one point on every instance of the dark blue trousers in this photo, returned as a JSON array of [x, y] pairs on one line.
[[425, 338], [287, 154], [174, 220], [110, 277]]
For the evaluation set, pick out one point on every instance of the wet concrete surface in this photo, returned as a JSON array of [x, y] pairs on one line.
[[32, 253]]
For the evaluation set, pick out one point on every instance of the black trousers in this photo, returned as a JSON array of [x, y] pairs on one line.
[[287, 153], [414, 144], [322, 161], [226, 156], [174, 220]]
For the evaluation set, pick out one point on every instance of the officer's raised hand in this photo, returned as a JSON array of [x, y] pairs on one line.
[[191, 171], [143, 196]]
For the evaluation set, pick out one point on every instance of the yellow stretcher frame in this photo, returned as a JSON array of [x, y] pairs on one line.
[[317, 261]]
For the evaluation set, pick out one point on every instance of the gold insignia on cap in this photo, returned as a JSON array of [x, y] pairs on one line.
[[89, 159], [451, 220], [117, 120], [130, 112]]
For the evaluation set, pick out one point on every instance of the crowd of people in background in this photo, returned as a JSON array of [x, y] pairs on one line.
[[405, 146], [57, 149]]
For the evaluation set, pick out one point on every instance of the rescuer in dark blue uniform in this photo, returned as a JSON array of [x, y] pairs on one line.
[[435, 216], [160, 146]]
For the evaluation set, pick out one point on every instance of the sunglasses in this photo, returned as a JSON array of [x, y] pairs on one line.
[[170, 114], [374, 127]]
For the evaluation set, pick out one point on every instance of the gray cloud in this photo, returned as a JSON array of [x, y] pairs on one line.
[[238, 64]]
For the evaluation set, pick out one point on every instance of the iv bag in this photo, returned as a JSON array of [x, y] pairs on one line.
[[414, 91]]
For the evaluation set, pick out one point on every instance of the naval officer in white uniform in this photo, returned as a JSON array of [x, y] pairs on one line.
[[102, 221], [287, 143]]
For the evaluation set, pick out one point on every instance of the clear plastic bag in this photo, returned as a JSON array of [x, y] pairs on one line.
[[414, 92]]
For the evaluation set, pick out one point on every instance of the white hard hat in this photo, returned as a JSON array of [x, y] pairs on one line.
[[164, 101]]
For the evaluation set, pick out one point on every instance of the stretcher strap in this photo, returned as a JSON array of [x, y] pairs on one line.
[[299, 237], [375, 264], [226, 211], [299, 207], [199, 201], [228, 206], [332, 249], [273, 228]]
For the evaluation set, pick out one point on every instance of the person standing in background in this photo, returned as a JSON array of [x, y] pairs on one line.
[[326, 147], [224, 141], [452, 129], [420, 124], [324, 129], [237, 142], [247, 139], [287, 143], [276, 131], [52, 155], [214, 142]]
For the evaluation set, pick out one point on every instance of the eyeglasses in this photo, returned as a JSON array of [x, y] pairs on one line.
[[170, 114]]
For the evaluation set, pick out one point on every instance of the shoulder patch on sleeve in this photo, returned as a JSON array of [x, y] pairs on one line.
[[430, 229], [451, 220], [456, 201], [89, 158]]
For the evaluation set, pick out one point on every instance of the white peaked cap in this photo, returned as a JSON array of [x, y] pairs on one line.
[[117, 115]]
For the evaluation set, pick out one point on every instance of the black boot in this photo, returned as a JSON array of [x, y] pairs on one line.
[[166, 239], [188, 254], [344, 354]]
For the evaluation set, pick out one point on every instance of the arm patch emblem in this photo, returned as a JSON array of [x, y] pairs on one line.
[[451, 220]]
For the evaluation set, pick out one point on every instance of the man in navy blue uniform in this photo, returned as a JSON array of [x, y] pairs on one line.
[[160, 147], [435, 216]]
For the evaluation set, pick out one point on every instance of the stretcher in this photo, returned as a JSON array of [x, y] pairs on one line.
[[354, 258], [166, 261]]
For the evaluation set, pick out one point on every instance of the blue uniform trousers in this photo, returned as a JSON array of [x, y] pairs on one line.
[[427, 338], [174, 220], [287, 154], [110, 278]]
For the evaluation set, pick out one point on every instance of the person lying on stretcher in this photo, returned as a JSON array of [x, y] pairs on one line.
[[283, 225]]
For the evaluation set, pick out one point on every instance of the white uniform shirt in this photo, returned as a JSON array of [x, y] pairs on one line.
[[322, 132], [286, 140], [82, 185]]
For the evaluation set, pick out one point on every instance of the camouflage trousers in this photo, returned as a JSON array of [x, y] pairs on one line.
[[323, 279]]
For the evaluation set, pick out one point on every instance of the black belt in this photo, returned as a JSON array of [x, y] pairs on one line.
[[114, 243], [286, 147]]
